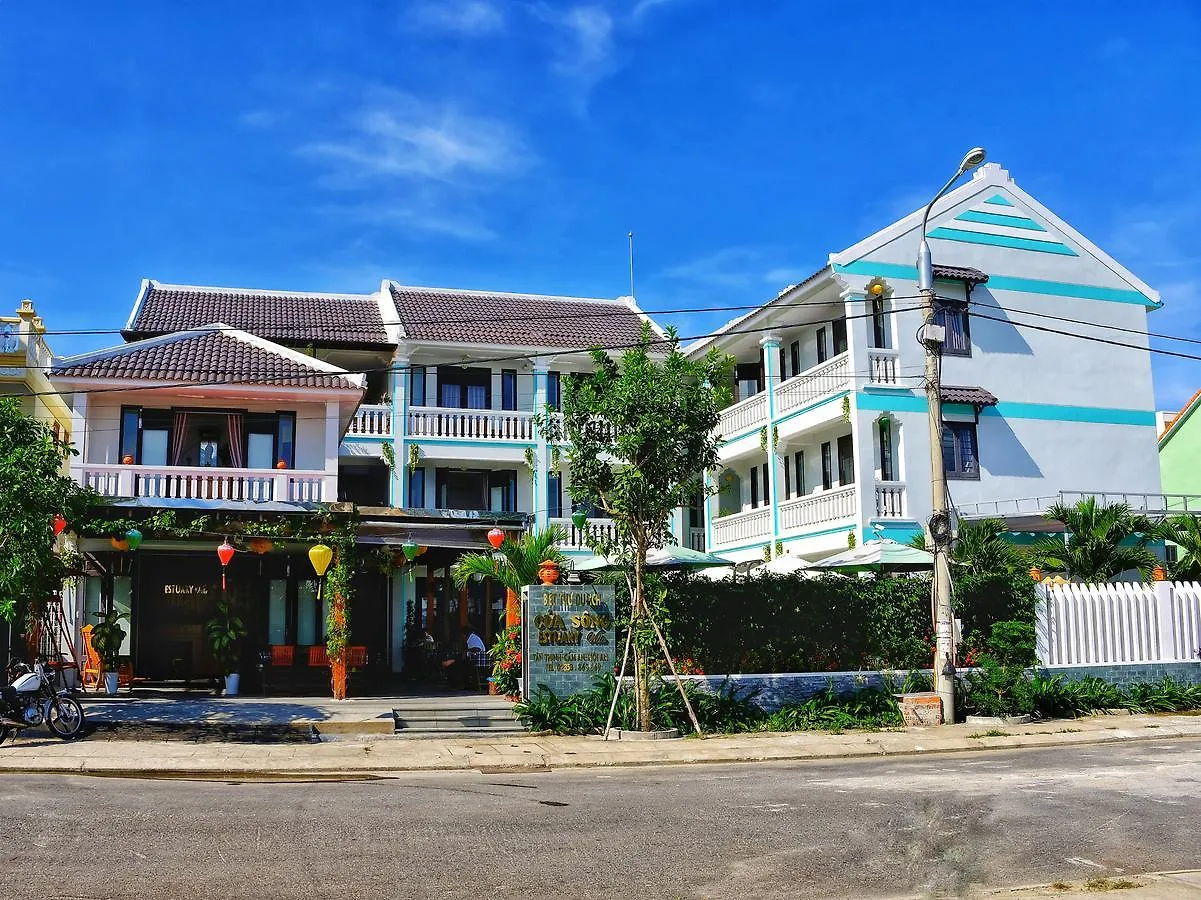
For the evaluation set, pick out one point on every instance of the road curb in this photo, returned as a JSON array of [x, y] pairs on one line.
[[544, 762]]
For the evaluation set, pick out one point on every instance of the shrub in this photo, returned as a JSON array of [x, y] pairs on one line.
[[828, 711]]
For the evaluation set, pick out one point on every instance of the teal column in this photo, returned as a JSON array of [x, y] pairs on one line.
[[771, 375]]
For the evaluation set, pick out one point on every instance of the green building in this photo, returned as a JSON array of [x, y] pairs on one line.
[[1180, 450]]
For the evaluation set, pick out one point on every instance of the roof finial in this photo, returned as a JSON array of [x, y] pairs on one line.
[[632, 295]]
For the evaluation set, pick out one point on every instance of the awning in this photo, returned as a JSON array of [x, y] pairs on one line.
[[973, 396]]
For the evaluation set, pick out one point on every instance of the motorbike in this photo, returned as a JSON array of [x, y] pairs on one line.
[[32, 700]]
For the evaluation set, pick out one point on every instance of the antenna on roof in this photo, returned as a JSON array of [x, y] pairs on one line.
[[631, 236]]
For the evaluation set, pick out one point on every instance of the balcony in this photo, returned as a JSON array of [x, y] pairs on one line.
[[696, 539], [823, 380], [470, 424], [203, 483], [742, 528], [813, 510], [593, 530], [371, 421], [890, 499], [743, 416], [883, 365]]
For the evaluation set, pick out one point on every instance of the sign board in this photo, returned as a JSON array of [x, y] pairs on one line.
[[568, 637]]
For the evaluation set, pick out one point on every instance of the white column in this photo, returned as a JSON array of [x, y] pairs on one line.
[[398, 487], [333, 418], [775, 479], [1166, 624], [538, 482]]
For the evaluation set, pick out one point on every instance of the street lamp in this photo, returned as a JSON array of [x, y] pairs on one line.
[[940, 520]]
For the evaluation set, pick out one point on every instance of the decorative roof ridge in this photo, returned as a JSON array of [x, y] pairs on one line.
[[502, 295]]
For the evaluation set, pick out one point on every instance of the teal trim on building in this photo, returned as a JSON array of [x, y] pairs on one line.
[[1010, 283], [366, 438], [459, 442], [998, 200], [987, 218], [1050, 412], [1001, 240]]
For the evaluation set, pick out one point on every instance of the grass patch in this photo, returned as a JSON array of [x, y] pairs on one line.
[[992, 732], [1110, 884], [1068, 730]]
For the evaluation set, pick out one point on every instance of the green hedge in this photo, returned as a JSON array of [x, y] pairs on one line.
[[796, 624]]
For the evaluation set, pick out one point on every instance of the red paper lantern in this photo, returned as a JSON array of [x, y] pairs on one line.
[[496, 537], [225, 553], [59, 524]]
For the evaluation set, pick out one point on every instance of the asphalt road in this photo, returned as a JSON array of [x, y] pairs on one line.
[[863, 828]]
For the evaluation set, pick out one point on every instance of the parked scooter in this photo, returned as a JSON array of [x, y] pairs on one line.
[[31, 700]]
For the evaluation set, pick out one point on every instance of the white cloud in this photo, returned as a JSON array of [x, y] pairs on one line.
[[741, 268], [469, 18], [643, 7], [401, 137], [582, 46]]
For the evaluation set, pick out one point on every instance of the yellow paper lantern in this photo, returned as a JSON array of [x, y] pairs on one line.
[[320, 556]]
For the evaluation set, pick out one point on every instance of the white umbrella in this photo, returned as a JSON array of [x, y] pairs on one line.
[[883, 554], [783, 565]]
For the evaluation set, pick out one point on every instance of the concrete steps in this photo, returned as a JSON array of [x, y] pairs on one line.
[[461, 716]]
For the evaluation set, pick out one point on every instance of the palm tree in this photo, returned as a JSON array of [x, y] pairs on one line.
[[980, 548], [1185, 533], [1099, 542], [514, 565]]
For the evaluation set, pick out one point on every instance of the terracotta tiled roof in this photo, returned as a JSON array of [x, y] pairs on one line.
[[211, 355], [478, 317], [960, 273], [289, 318], [976, 396], [1184, 411]]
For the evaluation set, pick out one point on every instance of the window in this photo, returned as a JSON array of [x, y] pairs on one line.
[[846, 460], [839, 330], [821, 345], [154, 447], [131, 423], [954, 318], [285, 439], [417, 488], [787, 480], [754, 486], [508, 389], [879, 323], [462, 489], [827, 467], [799, 463], [749, 376], [277, 611], [554, 496], [887, 468], [959, 450], [260, 448], [554, 390], [502, 490], [783, 373], [461, 388], [417, 386], [794, 350], [766, 487]]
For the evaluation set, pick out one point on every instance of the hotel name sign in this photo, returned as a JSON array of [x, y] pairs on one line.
[[569, 638]]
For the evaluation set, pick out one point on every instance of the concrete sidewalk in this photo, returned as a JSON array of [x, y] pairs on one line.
[[368, 754]]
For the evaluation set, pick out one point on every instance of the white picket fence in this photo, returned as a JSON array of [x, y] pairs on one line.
[[1101, 624]]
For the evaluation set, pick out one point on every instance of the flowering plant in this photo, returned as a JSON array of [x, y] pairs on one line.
[[506, 660]]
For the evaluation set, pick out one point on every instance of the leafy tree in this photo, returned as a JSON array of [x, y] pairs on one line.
[[32, 491], [641, 433], [1185, 533], [980, 548], [514, 565], [1100, 542]]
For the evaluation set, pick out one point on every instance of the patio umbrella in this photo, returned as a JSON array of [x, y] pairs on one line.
[[662, 558], [782, 565], [880, 555]]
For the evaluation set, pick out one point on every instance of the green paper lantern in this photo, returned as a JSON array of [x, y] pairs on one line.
[[579, 518], [410, 549], [134, 537]]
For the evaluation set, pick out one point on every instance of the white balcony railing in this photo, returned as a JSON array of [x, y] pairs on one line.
[[371, 421], [696, 539], [822, 380], [817, 509], [471, 424], [743, 416], [742, 528], [882, 366], [196, 483], [582, 538], [890, 499]]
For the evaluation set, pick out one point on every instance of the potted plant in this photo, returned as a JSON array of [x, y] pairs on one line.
[[224, 633], [107, 638]]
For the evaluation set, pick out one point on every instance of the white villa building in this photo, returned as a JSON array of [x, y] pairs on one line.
[[832, 374]]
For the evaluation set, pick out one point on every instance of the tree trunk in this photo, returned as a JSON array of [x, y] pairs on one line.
[[512, 608], [337, 662], [638, 610]]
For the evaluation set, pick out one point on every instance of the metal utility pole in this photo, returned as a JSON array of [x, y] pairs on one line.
[[940, 519]]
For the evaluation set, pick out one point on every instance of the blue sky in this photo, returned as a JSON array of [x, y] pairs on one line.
[[511, 145]]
